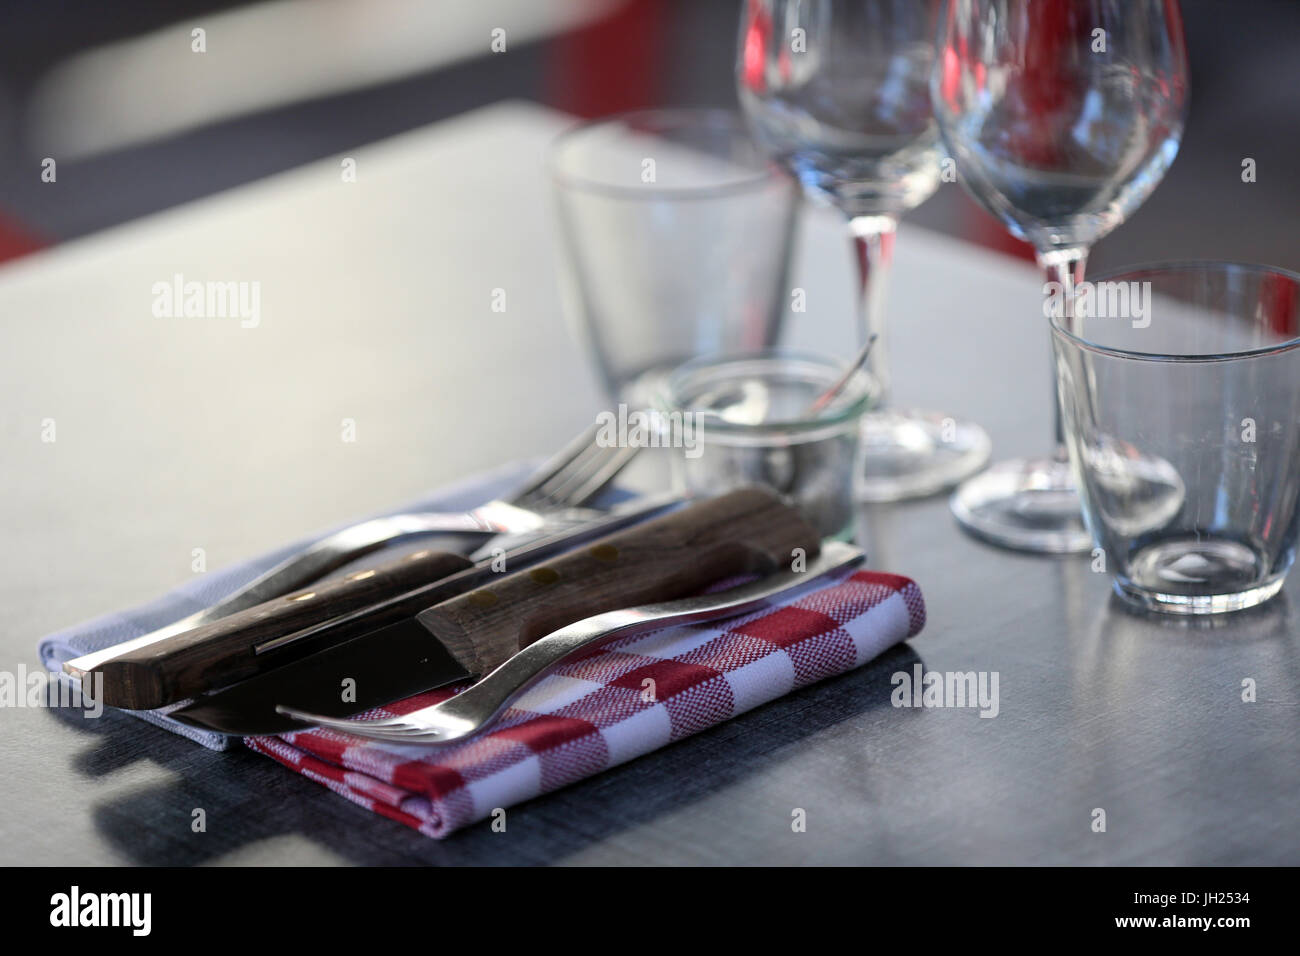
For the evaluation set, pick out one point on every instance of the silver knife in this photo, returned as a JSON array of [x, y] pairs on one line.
[[141, 674]]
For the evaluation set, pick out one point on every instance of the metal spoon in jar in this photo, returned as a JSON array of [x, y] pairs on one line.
[[828, 396]]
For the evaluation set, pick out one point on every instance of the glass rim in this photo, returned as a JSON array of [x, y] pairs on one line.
[[1175, 266], [834, 418], [705, 116]]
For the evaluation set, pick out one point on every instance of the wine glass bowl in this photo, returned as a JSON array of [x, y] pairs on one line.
[[1062, 115], [845, 106]]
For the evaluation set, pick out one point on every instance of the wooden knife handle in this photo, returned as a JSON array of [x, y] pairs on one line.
[[741, 532], [221, 652]]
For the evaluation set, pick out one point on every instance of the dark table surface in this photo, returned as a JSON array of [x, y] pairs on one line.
[[173, 435]]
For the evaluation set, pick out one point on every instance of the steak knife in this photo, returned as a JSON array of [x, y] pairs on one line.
[[297, 610], [743, 532], [151, 672]]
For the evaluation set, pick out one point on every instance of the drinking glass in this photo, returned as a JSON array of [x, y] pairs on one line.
[[1183, 424], [1062, 116], [837, 91], [676, 233]]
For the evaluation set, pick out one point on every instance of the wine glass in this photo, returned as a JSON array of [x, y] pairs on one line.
[[837, 91], [1062, 116]]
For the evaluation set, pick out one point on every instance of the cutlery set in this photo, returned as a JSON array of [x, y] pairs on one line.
[[291, 651]]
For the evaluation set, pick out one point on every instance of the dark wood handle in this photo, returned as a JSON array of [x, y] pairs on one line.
[[221, 652], [742, 532]]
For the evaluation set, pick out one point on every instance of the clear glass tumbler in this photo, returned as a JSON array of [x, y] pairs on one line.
[[750, 422], [1180, 397], [677, 233]]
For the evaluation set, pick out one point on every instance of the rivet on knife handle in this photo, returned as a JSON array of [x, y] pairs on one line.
[[747, 531]]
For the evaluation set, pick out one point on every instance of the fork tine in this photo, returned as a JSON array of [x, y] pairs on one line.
[[587, 475], [555, 490], [345, 724], [411, 735], [601, 475], [358, 729], [556, 464], [576, 474], [392, 729]]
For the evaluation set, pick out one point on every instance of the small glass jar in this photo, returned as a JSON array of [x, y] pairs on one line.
[[747, 420]]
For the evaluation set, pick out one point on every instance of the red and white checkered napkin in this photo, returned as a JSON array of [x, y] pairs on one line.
[[598, 711]]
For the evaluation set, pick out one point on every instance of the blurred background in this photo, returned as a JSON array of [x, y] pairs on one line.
[[137, 123]]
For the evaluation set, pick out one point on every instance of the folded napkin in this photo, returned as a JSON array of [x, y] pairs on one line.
[[206, 589], [599, 711]]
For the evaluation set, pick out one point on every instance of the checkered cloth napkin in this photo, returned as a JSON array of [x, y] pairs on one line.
[[618, 702]]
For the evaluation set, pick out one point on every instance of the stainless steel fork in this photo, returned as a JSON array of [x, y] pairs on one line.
[[552, 497], [475, 708]]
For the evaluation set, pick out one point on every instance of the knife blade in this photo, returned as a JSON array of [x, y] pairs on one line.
[[148, 674], [297, 610], [743, 532]]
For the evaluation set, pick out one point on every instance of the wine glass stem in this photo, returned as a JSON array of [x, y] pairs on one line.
[[1063, 269], [873, 245]]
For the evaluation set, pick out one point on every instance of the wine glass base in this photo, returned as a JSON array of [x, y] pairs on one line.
[[912, 454], [1029, 504]]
